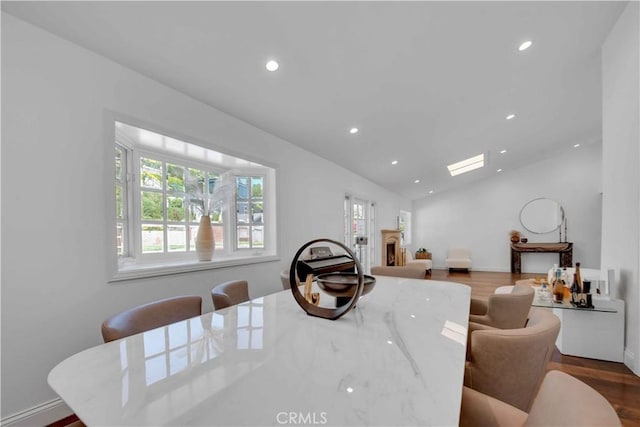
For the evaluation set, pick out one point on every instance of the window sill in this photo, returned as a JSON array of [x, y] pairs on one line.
[[138, 271]]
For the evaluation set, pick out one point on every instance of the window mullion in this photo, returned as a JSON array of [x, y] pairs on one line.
[[135, 211], [165, 210]]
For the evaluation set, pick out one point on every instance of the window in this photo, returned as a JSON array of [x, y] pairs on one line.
[[121, 200], [163, 187], [404, 225], [249, 212], [172, 203]]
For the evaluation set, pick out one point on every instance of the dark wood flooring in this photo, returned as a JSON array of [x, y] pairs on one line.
[[614, 381]]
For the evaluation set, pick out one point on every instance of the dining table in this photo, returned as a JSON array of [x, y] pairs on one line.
[[396, 359]]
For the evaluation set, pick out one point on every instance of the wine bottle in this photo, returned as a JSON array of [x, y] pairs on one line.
[[565, 280], [578, 277], [558, 287], [575, 290]]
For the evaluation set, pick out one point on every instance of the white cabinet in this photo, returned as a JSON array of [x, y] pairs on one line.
[[593, 334]]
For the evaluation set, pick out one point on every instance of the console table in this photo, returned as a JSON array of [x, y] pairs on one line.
[[563, 249]]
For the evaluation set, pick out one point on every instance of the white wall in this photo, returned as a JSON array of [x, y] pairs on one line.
[[480, 216], [54, 274], [621, 170]]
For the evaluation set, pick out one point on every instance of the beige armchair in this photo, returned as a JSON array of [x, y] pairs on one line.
[[408, 272], [229, 293], [587, 407], [150, 316], [504, 311], [458, 259], [509, 364]]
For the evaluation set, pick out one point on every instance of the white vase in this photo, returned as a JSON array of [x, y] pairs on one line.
[[205, 242]]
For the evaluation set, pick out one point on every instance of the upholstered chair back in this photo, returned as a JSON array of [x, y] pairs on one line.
[[587, 408], [150, 316], [592, 408], [509, 364], [409, 272], [504, 311], [230, 293]]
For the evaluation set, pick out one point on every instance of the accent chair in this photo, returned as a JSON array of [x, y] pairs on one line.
[[587, 407], [458, 259], [509, 364], [425, 264], [503, 310]]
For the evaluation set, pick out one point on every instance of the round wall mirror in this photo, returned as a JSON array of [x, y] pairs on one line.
[[542, 216]]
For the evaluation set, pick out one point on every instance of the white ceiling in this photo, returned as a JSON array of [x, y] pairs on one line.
[[427, 83]]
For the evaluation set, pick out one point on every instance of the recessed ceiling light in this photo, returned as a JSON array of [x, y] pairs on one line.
[[510, 116], [525, 45], [395, 162], [499, 170], [466, 165], [503, 151], [272, 65], [576, 145], [353, 130], [430, 191], [417, 181]]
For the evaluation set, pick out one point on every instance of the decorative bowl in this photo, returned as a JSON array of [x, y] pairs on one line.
[[343, 284]]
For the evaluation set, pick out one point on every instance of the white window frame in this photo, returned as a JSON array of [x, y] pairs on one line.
[[251, 223], [136, 264]]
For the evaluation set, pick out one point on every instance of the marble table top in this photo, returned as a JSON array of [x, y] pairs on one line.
[[397, 359]]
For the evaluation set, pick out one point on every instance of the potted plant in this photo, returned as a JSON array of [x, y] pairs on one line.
[[423, 253]]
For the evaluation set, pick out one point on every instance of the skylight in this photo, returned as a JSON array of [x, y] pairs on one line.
[[467, 165]]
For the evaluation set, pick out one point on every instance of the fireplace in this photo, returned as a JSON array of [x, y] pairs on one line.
[[391, 251]]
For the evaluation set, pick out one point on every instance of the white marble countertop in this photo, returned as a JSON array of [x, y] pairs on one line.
[[396, 359]]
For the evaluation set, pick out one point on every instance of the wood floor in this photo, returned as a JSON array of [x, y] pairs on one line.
[[613, 380]]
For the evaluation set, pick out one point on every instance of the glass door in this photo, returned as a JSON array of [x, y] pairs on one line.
[[359, 216]]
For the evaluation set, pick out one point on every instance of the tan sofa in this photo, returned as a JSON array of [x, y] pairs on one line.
[[425, 264]]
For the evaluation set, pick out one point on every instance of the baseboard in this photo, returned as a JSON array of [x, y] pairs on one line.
[[39, 415], [629, 361]]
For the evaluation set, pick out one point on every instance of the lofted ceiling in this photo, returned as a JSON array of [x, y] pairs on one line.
[[426, 83]]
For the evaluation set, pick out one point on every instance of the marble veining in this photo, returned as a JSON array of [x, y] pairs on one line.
[[396, 359]]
